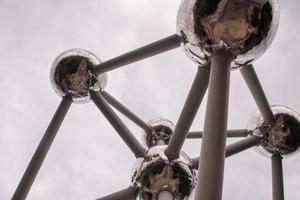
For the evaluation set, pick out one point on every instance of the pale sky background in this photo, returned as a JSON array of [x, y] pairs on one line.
[[88, 159]]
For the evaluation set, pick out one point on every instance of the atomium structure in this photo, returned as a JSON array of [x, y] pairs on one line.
[[219, 36]]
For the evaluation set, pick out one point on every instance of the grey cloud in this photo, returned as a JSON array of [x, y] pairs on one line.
[[88, 159]]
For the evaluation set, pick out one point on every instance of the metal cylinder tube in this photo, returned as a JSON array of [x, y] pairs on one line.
[[211, 164], [42, 150], [277, 177]]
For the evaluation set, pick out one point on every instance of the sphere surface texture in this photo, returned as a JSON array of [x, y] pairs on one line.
[[155, 173], [244, 27], [282, 137], [71, 74], [159, 133]]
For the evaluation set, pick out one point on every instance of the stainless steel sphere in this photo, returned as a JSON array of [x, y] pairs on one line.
[[154, 175], [246, 28], [282, 137], [71, 74], [160, 132]]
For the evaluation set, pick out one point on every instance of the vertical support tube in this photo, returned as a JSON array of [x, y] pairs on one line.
[[188, 114], [212, 156], [277, 177], [258, 93], [42, 150]]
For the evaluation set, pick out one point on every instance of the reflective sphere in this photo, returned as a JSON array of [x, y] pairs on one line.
[[282, 137], [71, 73], [159, 133], [155, 173], [244, 27]]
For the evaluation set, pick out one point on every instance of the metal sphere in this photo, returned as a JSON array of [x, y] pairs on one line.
[[246, 28], [282, 137], [154, 174], [71, 74], [159, 133]]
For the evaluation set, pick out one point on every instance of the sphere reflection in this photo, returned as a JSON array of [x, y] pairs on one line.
[[71, 74], [283, 136], [155, 173], [245, 28], [160, 132]]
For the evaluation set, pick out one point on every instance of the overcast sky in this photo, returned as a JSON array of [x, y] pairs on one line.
[[87, 159]]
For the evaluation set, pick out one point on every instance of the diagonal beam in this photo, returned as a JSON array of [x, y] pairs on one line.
[[212, 156], [188, 114], [42, 150], [277, 177], [150, 50], [230, 134], [125, 111], [258, 93], [117, 124], [234, 148], [242, 145], [126, 194]]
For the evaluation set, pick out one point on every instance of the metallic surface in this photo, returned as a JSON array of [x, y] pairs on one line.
[[188, 113], [234, 148], [282, 136], [212, 156], [165, 195], [277, 177], [63, 72], [229, 134], [159, 132], [245, 28], [155, 173], [153, 49], [258, 93], [42, 150], [124, 110], [242, 145], [126, 194], [117, 124]]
